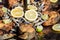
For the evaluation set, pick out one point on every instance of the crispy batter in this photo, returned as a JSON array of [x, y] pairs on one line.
[[45, 12], [1, 25], [1, 21], [12, 2], [25, 27], [28, 30], [9, 26], [1, 12], [52, 18], [47, 5], [6, 27], [31, 1], [24, 36], [1, 32]]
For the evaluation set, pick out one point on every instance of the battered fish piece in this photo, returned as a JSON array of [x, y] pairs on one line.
[[8, 27], [1, 12], [7, 36], [47, 4], [12, 2], [27, 29], [1, 32], [53, 18]]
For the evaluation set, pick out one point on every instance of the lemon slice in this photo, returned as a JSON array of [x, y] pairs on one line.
[[44, 17], [32, 7], [56, 27], [17, 12], [6, 21], [31, 15], [53, 1]]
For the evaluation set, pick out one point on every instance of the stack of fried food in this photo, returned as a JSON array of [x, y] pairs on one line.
[[27, 30], [7, 27]]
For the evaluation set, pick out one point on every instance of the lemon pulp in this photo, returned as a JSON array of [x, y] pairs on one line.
[[4, 9], [44, 17], [31, 15], [17, 12]]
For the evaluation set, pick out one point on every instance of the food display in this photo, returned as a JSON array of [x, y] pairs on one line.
[[29, 20]]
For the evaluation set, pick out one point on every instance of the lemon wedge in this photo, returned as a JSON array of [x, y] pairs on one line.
[[6, 21], [44, 17], [31, 15], [32, 7], [17, 12], [56, 27], [53, 1], [39, 28]]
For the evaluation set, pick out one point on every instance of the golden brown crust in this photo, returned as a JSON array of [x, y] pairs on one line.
[[12, 2], [52, 18], [25, 27], [47, 5], [1, 12], [1, 25], [28, 30], [9, 26], [1, 32]]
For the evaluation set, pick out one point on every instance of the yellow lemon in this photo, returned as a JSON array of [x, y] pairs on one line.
[[56, 27], [4, 9], [17, 12], [44, 17], [31, 15], [53, 1], [6, 21], [32, 7]]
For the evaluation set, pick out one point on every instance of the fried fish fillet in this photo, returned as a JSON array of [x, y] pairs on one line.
[[53, 18]]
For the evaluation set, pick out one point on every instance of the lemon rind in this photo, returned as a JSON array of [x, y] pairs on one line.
[[54, 28], [17, 16], [31, 19]]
